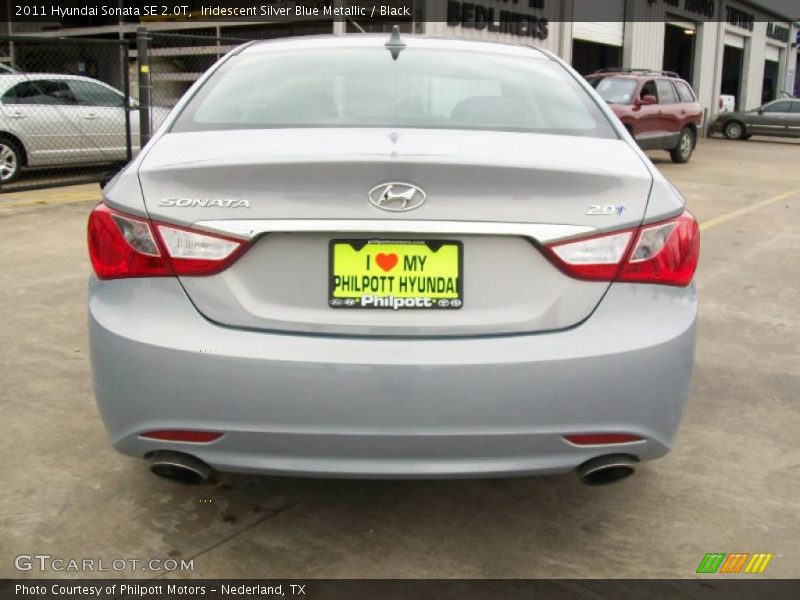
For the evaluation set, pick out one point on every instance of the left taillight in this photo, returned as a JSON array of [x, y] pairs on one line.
[[665, 253], [123, 245]]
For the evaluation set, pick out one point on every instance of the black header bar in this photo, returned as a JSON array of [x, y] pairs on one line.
[[92, 13]]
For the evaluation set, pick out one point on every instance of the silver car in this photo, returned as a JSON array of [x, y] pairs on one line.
[[361, 257], [49, 120], [777, 118]]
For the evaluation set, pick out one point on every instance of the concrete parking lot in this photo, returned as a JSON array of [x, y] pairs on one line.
[[732, 483]]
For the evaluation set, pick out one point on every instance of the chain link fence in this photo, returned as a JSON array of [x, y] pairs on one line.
[[75, 110], [168, 64], [65, 111]]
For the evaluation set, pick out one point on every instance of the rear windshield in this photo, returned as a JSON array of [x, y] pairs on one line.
[[365, 87], [614, 90]]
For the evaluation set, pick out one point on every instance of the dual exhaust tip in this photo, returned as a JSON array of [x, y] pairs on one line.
[[178, 467], [186, 469], [607, 469]]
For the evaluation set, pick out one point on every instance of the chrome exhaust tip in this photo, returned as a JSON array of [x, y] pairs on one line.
[[604, 470], [178, 467]]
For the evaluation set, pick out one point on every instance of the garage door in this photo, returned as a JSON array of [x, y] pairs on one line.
[[599, 22], [773, 53], [736, 41]]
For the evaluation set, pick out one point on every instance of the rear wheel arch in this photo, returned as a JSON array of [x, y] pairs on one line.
[[12, 157], [729, 133], [693, 128], [683, 151], [10, 137]]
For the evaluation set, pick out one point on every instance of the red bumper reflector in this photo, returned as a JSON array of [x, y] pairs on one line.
[[177, 435], [596, 439]]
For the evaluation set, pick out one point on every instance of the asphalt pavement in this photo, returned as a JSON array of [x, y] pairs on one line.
[[731, 484]]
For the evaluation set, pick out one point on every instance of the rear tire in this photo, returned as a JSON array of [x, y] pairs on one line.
[[734, 130], [10, 160], [683, 151]]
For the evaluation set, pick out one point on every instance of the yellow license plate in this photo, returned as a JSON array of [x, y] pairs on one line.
[[396, 274]]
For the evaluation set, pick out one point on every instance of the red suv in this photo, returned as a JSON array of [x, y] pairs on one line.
[[658, 108]]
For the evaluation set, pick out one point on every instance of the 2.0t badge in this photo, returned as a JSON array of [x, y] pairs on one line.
[[397, 196]]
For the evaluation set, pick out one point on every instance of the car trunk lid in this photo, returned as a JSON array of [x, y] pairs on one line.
[[497, 194]]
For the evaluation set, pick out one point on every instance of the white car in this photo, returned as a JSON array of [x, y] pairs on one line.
[[49, 119], [727, 103]]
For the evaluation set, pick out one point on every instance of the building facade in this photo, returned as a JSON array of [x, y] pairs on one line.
[[729, 47], [722, 47]]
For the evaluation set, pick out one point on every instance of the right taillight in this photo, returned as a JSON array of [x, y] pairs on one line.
[[664, 253], [123, 245]]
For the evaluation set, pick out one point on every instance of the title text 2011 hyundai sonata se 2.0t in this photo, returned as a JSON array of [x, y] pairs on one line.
[[402, 257]]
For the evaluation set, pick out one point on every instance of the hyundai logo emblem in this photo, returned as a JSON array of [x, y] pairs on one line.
[[396, 196]]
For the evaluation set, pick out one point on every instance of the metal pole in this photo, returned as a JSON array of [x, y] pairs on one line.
[[339, 22], [126, 89], [143, 63]]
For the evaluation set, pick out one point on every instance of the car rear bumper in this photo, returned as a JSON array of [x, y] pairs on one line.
[[360, 407]]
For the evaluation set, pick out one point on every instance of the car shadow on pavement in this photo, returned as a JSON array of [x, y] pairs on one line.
[[510, 527]]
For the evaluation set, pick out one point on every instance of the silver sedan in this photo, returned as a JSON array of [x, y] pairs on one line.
[[49, 120], [779, 118], [404, 257]]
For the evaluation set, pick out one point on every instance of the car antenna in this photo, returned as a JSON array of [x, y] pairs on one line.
[[395, 45]]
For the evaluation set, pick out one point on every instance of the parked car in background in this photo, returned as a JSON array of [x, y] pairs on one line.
[[50, 119], [658, 108], [777, 118]]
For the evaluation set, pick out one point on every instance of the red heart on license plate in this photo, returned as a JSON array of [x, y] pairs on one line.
[[386, 261]]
